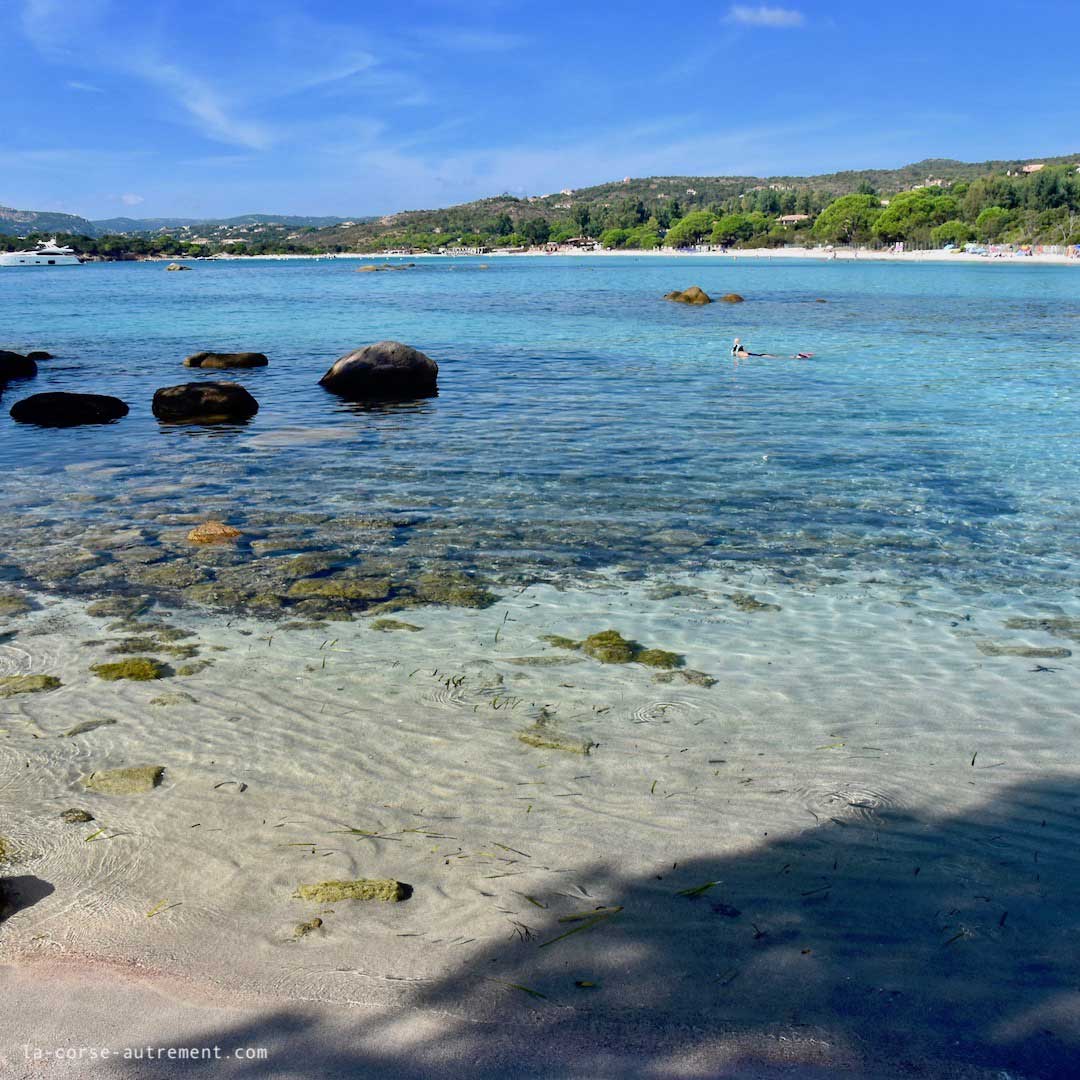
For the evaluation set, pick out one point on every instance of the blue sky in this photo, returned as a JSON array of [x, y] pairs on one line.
[[198, 108]]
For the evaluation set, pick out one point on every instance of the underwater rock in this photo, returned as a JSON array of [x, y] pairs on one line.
[[992, 648], [226, 360], [176, 574], [179, 698], [688, 675], [13, 604], [133, 780], [57, 409], [10, 685], [341, 588], [609, 647], [5, 850], [135, 645], [176, 266], [194, 668], [658, 658], [394, 624], [330, 892], [544, 739], [213, 532], [746, 602], [453, 588], [1058, 626], [305, 928], [372, 268], [204, 403], [669, 591], [39, 354], [14, 365], [732, 298], [85, 726], [119, 606], [561, 642], [137, 669], [386, 371], [75, 816], [693, 295]]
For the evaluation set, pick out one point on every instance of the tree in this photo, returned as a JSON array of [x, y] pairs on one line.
[[691, 230], [731, 228], [951, 232], [865, 188], [536, 231], [991, 223], [912, 213], [848, 219], [614, 238]]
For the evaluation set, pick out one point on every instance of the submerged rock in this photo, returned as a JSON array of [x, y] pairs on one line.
[[687, 675], [992, 648], [133, 780], [213, 532], [545, 739], [750, 604], [226, 360], [693, 295], [119, 605], [10, 685], [13, 604], [204, 403], [609, 647], [341, 588], [454, 588], [658, 658], [384, 371], [394, 624], [75, 816], [330, 892], [137, 669], [305, 928], [85, 726], [57, 409], [39, 354], [732, 298]]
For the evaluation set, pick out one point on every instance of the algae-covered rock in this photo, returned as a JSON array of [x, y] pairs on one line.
[[305, 928], [5, 850], [27, 684], [394, 624], [560, 642], [87, 726], [137, 669], [732, 298], [226, 360], [750, 604], [992, 648], [213, 532], [194, 668], [330, 892], [453, 588], [113, 606], [133, 646], [545, 739], [693, 295], [176, 574], [179, 698], [75, 816], [687, 675], [13, 604], [1058, 626], [133, 780], [658, 658], [609, 647], [341, 588]]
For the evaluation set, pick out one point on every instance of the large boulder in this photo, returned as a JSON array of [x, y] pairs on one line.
[[204, 403], [693, 295], [68, 410], [14, 365], [226, 360], [385, 371]]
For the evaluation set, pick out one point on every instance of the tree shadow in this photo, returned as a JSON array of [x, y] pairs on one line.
[[877, 943]]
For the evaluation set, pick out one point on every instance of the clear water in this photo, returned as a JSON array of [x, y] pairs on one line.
[[582, 421]]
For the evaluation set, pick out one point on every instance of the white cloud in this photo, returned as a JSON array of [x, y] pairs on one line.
[[775, 18], [85, 87], [129, 199]]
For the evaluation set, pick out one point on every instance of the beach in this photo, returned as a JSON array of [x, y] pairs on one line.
[[810, 812]]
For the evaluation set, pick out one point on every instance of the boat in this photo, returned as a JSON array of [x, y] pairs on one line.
[[46, 254]]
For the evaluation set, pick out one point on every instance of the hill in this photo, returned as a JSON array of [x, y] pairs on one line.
[[23, 222]]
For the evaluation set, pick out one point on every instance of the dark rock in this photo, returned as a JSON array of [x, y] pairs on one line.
[[385, 371], [68, 410], [226, 360], [14, 365], [732, 298], [204, 403], [39, 354], [693, 295]]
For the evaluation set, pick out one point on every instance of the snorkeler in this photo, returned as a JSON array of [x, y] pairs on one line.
[[739, 352]]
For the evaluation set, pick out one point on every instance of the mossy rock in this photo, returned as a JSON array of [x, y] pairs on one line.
[[693, 295], [609, 647], [12, 604], [659, 658], [214, 594], [76, 816], [331, 892], [750, 604], [560, 642], [5, 850], [118, 606], [137, 669], [133, 780], [173, 575], [134, 646], [732, 298], [194, 668], [544, 739], [341, 588], [394, 624], [305, 928], [302, 566], [10, 685], [687, 675], [455, 589]]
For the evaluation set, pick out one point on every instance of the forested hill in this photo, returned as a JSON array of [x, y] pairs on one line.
[[23, 222]]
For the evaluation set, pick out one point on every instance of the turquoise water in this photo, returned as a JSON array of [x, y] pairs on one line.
[[583, 422]]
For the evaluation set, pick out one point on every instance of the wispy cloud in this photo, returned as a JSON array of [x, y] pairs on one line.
[[774, 18], [88, 88], [130, 199]]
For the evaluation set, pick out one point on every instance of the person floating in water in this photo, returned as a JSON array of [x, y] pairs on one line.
[[739, 352]]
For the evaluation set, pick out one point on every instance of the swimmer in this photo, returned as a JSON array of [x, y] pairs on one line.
[[739, 352]]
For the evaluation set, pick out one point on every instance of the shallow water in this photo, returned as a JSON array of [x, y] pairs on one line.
[[896, 706]]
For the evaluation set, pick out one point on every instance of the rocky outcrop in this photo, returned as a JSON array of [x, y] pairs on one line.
[[14, 365], [372, 268], [204, 403], [226, 360], [385, 371], [732, 298], [177, 266], [213, 532], [693, 295], [39, 354], [68, 410]]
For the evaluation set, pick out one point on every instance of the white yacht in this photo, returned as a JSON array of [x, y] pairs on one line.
[[48, 254]]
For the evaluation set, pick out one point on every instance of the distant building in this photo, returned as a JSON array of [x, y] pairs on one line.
[[792, 219], [1037, 167], [691, 191], [567, 191]]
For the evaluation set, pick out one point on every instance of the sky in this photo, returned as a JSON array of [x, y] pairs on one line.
[[207, 108]]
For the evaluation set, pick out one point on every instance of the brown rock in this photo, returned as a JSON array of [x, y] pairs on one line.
[[213, 532]]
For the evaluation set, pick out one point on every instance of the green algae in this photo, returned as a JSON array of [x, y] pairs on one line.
[[561, 642], [76, 816], [13, 604], [341, 588], [659, 658], [453, 588], [331, 892], [194, 668], [609, 647], [137, 669], [5, 850], [180, 652], [133, 780], [86, 726], [135, 645], [10, 685], [114, 606], [394, 624], [750, 604]]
